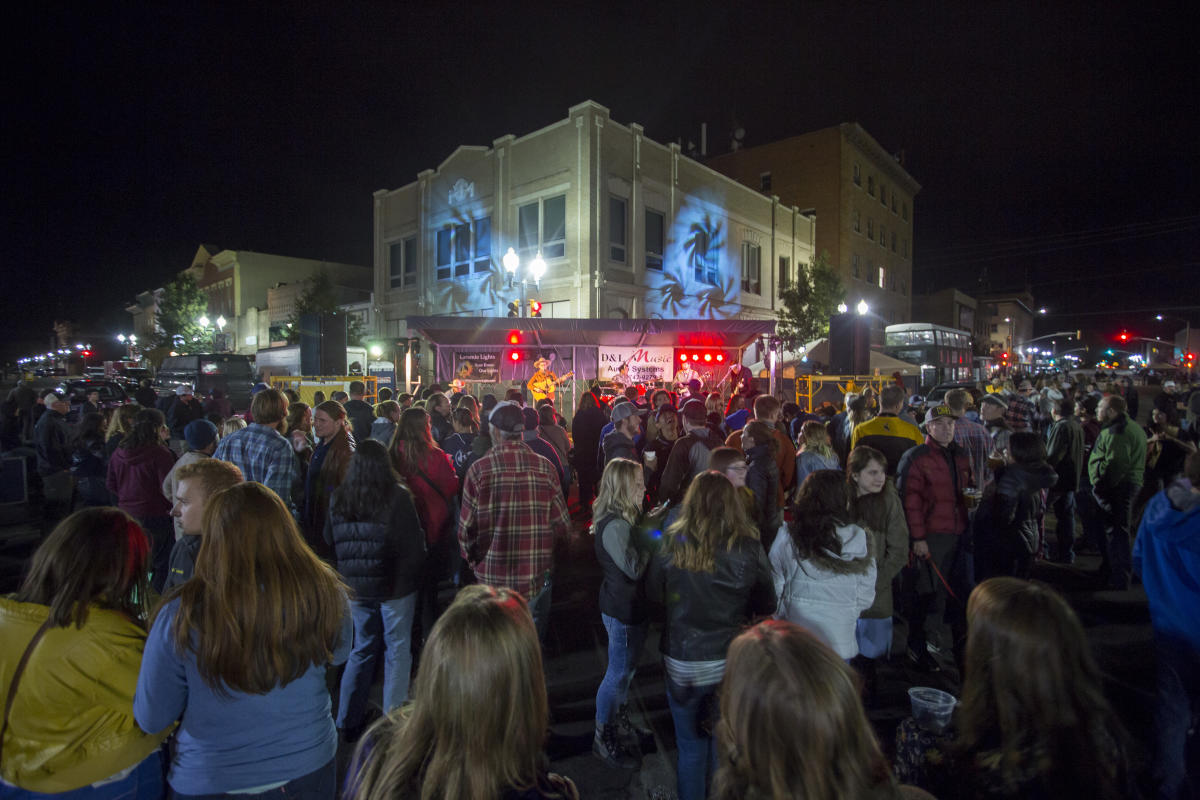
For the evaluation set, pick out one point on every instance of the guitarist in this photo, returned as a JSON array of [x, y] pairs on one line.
[[544, 383]]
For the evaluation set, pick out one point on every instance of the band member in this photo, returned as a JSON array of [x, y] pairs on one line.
[[741, 379], [685, 376], [544, 383], [622, 379]]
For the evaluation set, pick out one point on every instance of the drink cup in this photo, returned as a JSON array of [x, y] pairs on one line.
[[650, 457]]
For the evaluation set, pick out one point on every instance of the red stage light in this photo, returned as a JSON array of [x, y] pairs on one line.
[[683, 357], [514, 337], [720, 357], [708, 356], [515, 355]]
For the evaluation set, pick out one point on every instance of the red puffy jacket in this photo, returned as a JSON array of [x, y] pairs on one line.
[[931, 479]]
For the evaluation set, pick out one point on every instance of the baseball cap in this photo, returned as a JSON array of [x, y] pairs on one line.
[[939, 412], [50, 398], [694, 411], [993, 400], [183, 389], [624, 410], [916, 400], [199, 434], [507, 417], [1169, 385]]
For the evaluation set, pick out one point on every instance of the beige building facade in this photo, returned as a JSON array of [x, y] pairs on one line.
[[863, 200], [626, 227]]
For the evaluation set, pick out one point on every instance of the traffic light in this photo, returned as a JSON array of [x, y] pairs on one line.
[[86, 353], [535, 308], [1124, 337], [1004, 356], [1191, 356], [514, 309]]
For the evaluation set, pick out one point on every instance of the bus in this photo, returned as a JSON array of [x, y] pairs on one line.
[[943, 354]]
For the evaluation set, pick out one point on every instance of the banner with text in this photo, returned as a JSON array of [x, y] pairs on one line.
[[646, 364], [480, 366]]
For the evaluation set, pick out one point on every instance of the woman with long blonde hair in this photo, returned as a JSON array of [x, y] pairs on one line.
[[712, 574], [479, 714], [792, 724], [623, 554], [238, 654]]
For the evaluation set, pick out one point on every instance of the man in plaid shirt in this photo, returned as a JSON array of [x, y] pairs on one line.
[[971, 436], [1021, 410], [260, 451], [512, 508]]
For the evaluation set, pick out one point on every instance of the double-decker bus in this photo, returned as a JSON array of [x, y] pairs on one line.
[[942, 353]]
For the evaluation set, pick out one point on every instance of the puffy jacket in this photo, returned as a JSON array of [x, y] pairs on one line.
[[71, 722], [1119, 455], [380, 559], [136, 477], [826, 593], [1167, 556], [1018, 502], [1064, 452], [705, 610], [931, 479], [623, 554], [689, 457]]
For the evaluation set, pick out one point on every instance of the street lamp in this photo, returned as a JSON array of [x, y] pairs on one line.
[[536, 269], [842, 308], [862, 308]]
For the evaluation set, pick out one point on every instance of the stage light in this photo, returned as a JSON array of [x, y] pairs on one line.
[[515, 355], [514, 337], [708, 356], [720, 357]]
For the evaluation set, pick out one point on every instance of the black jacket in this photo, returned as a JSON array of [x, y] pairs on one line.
[[362, 417], [762, 478], [618, 445], [705, 610], [1064, 452], [1018, 501], [52, 439], [689, 457], [180, 413], [183, 561], [623, 554], [585, 433], [380, 559]]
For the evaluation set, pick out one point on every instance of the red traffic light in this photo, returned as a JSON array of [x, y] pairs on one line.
[[86, 353], [1124, 337], [535, 308], [1191, 356], [1004, 356], [515, 355]]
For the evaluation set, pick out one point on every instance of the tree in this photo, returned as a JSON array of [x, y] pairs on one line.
[[807, 304], [320, 297], [182, 304]]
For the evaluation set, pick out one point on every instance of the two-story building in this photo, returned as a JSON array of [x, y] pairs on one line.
[[625, 227]]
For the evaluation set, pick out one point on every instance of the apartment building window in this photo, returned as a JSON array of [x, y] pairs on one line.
[[764, 182], [870, 228], [751, 268], [871, 185], [892, 282], [854, 265], [904, 211], [616, 229], [904, 248], [785, 272], [705, 261], [856, 221], [904, 286], [893, 241], [893, 201], [464, 247], [542, 225], [655, 239], [995, 328], [857, 174], [882, 278], [883, 195], [402, 263], [882, 236]]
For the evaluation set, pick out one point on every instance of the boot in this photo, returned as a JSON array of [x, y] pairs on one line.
[[607, 746], [629, 730]]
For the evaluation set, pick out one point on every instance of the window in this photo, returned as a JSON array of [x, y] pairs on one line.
[[464, 247], [893, 241], [882, 236], [705, 261], [892, 282], [893, 201], [785, 272], [995, 328], [402, 263], [883, 195], [616, 229], [870, 228], [854, 265], [856, 220], [904, 248], [542, 225], [857, 174], [764, 182], [904, 211], [751, 268], [655, 239], [871, 185], [882, 278]]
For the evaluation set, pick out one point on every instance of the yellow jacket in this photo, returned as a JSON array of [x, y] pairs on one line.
[[71, 722]]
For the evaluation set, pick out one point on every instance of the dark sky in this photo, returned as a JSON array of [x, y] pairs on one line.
[[1055, 143]]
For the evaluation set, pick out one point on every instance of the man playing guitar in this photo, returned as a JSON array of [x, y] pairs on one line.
[[544, 383], [685, 376], [741, 379]]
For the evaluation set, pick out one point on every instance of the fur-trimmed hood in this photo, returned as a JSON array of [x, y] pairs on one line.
[[857, 552]]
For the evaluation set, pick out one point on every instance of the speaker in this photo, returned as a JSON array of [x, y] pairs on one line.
[[323, 344], [849, 344]]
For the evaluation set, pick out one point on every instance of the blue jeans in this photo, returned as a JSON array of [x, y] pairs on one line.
[[539, 608], [320, 784], [393, 619], [693, 709], [144, 783], [624, 648]]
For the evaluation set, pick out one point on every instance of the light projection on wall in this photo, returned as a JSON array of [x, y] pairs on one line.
[[699, 279]]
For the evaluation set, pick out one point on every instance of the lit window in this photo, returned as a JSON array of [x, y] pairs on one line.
[[655, 228], [751, 268], [616, 229], [882, 278], [463, 248]]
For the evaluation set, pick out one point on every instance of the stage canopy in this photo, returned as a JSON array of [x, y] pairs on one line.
[[482, 331]]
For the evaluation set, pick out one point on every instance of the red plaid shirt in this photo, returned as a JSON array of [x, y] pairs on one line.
[[512, 508]]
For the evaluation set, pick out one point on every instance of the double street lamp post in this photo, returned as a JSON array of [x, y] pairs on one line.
[[535, 270], [205, 322]]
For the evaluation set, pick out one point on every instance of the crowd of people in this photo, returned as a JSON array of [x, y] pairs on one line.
[[212, 585]]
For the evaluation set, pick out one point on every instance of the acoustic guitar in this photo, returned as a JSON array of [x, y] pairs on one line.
[[542, 388]]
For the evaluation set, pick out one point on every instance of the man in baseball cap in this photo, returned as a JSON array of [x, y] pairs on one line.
[[689, 454], [627, 424]]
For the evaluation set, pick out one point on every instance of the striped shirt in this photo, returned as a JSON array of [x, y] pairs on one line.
[[512, 508]]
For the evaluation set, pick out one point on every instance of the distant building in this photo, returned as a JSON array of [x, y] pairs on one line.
[[949, 307], [863, 198], [1006, 322], [627, 227]]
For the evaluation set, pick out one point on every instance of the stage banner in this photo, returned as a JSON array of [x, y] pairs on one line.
[[646, 364], [478, 366]]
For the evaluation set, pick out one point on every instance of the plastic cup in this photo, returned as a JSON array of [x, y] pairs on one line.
[[650, 456], [931, 708]]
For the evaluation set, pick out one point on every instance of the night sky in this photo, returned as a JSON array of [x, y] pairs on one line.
[[1055, 143]]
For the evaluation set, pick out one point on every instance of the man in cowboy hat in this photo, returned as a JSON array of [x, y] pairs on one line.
[[544, 382]]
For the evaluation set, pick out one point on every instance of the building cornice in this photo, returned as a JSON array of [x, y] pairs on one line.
[[881, 158]]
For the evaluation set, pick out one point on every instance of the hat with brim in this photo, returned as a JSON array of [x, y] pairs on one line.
[[541, 362], [939, 412], [624, 410]]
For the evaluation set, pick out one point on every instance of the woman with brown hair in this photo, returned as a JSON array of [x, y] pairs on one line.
[[429, 474], [1033, 720], [792, 725], [479, 715], [239, 652], [713, 577], [326, 471], [70, 643]]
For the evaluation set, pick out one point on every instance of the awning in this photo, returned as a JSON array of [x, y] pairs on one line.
[[481, 331]]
